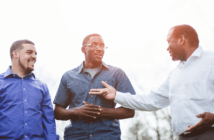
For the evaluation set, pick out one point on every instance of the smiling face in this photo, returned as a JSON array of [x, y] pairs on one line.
[[94, 51], [174, 47], [26, 58]]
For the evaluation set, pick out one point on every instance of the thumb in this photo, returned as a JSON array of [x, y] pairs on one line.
[[85, 102], [105, 84], [201, 115]]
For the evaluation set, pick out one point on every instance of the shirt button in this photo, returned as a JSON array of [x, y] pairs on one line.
[[91, 95], [26, 136], [25, 111], [25, 124], [91, 135], [23, 88], [77, 84], [91, 84], [14, 75], [25, 100], [90, 122], [88, 74]]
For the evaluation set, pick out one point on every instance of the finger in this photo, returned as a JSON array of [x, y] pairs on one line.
[[96, 90], [86, 103], [93, 113], [90, 116], [94, 109], [88, 106], [195, 127], [97, 93], [105, 84], [201, 115]]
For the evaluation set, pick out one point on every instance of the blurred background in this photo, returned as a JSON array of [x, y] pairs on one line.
[[134, 30]]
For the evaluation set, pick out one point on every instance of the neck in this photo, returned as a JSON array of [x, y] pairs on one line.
[[90, 65], [18, 70]]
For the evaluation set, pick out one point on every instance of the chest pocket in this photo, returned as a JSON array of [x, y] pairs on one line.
[[103, 101], [109, 82], [79, 91]]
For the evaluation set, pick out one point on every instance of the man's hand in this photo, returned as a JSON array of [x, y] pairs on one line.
[[88, 111], [109, 92], [207, 120]]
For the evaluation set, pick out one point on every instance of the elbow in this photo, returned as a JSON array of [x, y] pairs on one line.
[[56, 116], [131, 113]]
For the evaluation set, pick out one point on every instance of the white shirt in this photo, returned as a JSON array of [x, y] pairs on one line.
[[189, 90]]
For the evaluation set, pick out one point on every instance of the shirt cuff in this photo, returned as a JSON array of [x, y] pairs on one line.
[[119, 98]]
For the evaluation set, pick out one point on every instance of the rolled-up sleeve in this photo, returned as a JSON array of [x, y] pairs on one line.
[[48, 119], [123, 83], [63, 94]]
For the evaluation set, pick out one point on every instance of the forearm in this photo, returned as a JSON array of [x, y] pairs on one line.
[[144, 102], [64, 114], [116, 113]]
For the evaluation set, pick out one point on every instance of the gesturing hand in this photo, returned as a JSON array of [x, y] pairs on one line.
[[207, 120], [109, 92], [88, 110]]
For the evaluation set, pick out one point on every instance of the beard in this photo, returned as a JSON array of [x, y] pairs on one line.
[[26, 69]]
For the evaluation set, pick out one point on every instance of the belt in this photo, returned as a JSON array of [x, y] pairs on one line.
[[197, 132]]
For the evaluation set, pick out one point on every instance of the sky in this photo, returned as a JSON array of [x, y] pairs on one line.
[[134, 31]]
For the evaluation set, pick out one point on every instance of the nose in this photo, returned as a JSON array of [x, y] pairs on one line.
[[167, 48], [34, 56]]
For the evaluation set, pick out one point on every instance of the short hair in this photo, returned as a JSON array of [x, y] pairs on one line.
[[188, 32], [18, 45], [86, 39]]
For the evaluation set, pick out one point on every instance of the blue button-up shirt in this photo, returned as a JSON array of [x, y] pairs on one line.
[[73, 90], [26, 110]]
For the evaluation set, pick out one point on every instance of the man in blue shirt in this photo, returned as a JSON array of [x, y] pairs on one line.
[[25, 105], [92, 117]]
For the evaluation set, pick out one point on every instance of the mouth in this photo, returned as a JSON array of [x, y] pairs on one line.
[[32, 62], [99, 55], [170, 53]]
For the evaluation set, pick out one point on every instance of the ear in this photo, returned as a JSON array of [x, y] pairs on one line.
[[182, 39], [83, 49], [15, 54]]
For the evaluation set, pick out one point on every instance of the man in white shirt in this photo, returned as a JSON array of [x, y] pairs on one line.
[[189, 89]]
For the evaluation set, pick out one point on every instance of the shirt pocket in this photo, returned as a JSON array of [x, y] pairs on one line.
[[110, 82], [196, 90], [79, 91]]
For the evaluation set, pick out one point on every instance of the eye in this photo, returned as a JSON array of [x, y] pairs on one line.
[[102, 45], [93, 44]]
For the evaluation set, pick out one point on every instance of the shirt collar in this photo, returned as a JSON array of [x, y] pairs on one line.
[[9, 72], [196, 53], [81, 67]]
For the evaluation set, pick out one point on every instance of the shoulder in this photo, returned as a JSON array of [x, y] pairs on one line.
[[2, 76], [1, 79], [208, 56], [41, 84], [71, 72], [116, 69]]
